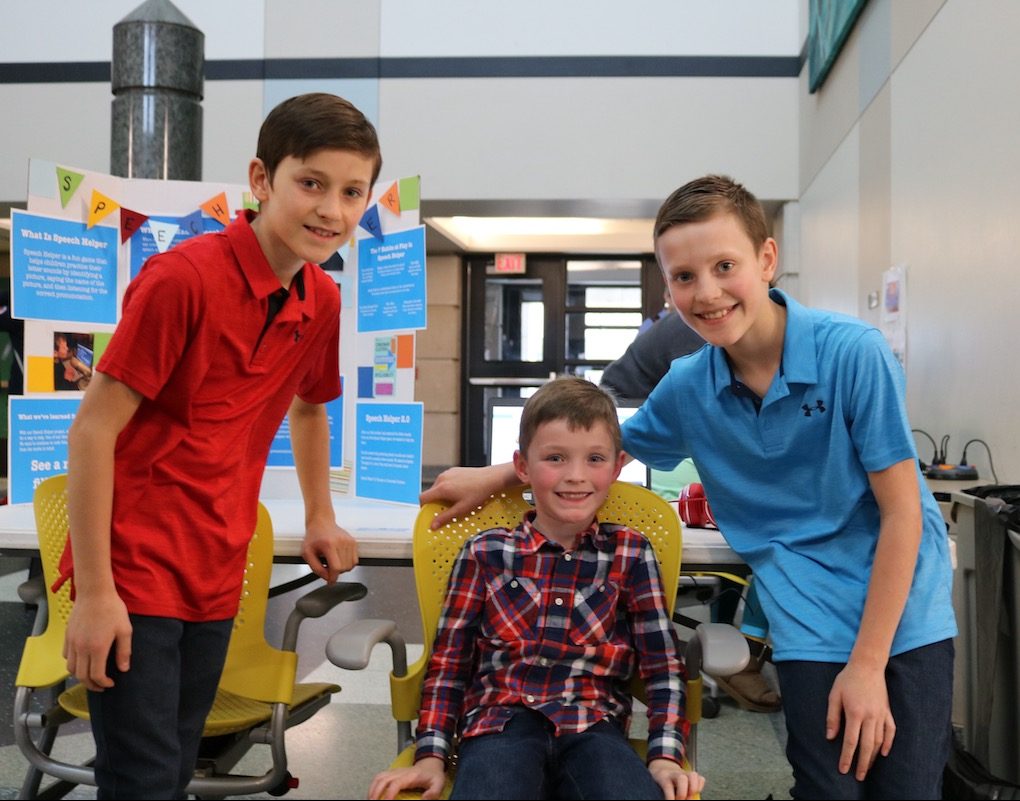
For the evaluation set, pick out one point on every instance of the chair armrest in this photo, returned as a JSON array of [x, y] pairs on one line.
[[405, 691], [718, 649], [317, 603], [320, 600], [351, 646], [33, 590]]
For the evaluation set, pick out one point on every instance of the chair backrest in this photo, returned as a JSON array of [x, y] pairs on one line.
[[434, 552], [43, 663], [249, 656]]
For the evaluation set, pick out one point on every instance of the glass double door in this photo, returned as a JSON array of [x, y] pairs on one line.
[[563, 315]]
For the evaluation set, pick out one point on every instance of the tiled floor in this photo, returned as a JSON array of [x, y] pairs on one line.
[[336, 753]]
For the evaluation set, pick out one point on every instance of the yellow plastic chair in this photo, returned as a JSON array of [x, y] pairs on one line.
[[434, 553], [258, 698]]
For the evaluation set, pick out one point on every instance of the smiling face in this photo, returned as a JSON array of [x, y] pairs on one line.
[[309, 207], [718, 279], [570, 472]]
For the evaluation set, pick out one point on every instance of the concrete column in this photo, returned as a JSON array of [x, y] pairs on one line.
[[157, 82]]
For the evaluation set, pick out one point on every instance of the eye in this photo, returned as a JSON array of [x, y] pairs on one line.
[[726, 266], [355, 192], [597, 457], [554, 457], [682, 277], [309, 183]]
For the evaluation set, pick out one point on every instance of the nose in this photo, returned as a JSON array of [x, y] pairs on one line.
[[575, 471], [330, 207], [707, 289]]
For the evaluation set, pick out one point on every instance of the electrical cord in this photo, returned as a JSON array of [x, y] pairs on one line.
[[943, 449], [991, 465], [935, 448]]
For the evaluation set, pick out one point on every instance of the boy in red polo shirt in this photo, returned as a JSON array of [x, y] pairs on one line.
[[220, 337]]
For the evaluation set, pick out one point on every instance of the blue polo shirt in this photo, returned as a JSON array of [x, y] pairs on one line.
[[787, 478]]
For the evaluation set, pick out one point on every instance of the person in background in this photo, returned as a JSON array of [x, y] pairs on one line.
[[542, 629], [220, 338], [796, 418]]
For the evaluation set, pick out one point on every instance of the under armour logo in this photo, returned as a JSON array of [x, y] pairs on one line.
[[818, 407], [297, 335]]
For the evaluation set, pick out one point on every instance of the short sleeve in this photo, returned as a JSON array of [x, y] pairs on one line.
[[162, 306], [879, 425]]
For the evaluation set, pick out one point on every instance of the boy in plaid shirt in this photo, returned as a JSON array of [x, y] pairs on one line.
[[543, 627]]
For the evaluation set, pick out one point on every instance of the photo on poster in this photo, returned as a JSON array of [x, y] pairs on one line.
[[73, 359]]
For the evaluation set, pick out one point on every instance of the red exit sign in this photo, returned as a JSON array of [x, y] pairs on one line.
[[514, 263]]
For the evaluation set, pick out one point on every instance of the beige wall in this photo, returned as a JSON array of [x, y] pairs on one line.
[[437, 363], [918, 166]]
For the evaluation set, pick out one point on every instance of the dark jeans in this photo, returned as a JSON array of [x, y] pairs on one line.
[[920, 686], [527, 760], [148, 726]]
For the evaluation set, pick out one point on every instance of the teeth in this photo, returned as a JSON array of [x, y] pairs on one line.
[[715, 315], [322, 232]]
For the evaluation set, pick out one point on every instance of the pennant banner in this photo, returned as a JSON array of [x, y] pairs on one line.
[[163, 233], [370, 222], [68, 183], [100, 207], [130, 221], [391, 199], [217, 208]]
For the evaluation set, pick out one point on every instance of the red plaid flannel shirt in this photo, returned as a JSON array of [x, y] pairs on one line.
[[527, 623]]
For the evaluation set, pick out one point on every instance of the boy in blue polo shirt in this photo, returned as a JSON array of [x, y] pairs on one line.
[[796, 419]]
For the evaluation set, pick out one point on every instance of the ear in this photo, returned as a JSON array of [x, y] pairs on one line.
[[258, 180], [521, 467], [621, 460], [769, 259]]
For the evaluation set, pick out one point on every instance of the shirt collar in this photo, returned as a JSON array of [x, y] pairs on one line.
[[530, 539], [260, 276], [798, 365]]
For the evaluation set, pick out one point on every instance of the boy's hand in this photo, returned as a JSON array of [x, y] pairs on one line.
[[427, 775], [96, 623], [676, 783], [466, 488], [329, 550], [860, 697]]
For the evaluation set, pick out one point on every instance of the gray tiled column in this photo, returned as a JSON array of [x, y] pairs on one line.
[[157, 82]]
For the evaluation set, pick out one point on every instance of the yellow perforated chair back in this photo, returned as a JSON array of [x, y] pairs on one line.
[[434, 552], [255, 674], [43, 663]]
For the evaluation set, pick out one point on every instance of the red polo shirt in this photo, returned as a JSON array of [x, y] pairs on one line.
[[215, 389]]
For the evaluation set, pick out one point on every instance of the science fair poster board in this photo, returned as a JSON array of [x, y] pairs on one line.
[[85, 235]]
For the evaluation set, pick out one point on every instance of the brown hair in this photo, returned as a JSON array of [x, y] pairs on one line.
[[576, 400], [306, 123], [705, 197]]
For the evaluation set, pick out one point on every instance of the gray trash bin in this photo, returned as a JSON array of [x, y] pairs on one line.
[[987, 600]]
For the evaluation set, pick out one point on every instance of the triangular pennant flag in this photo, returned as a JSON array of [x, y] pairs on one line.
[[130, 221], [391, 199], [370, 222], [100, 207], [217, 208], [192, 225], [68, 183], [163, 233]]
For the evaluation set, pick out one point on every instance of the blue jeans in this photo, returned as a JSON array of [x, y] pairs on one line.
[[148, 726], [920, 686], [527, 760]]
